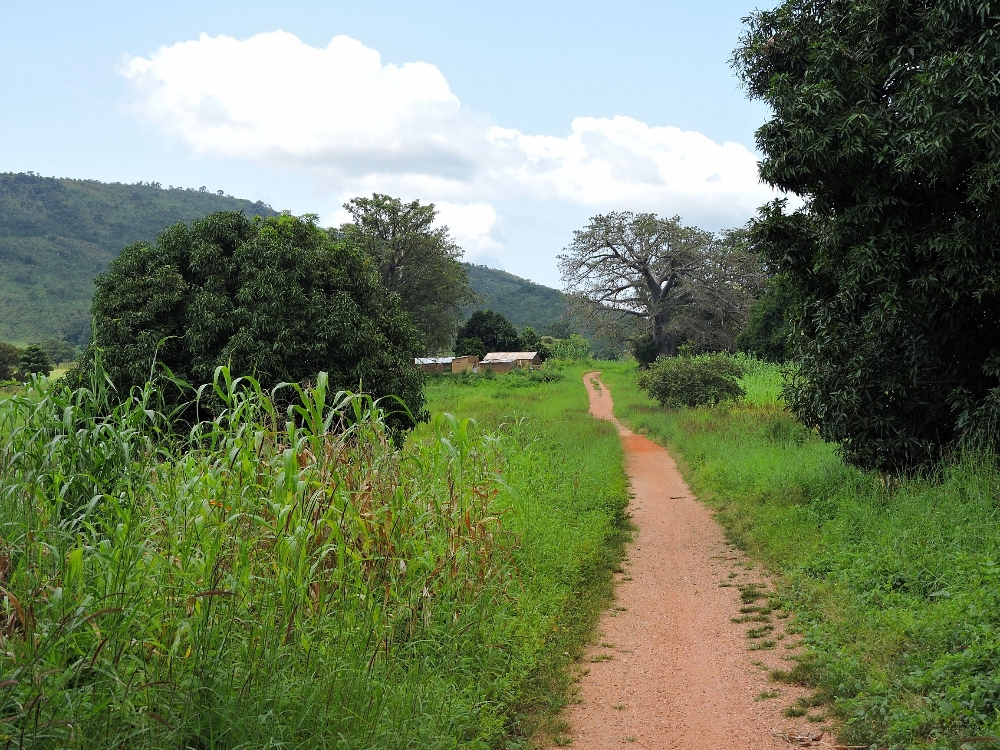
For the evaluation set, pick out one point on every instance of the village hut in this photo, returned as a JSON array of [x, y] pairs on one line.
[[507, 361], [434, 365], [468, 363]]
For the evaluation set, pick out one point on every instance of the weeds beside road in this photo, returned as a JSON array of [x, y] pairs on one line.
[[896, 584]]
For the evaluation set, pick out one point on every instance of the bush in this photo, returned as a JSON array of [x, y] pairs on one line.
[[693, 381], [275, 298]]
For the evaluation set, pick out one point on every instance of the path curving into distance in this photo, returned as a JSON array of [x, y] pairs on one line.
[[669, 669]]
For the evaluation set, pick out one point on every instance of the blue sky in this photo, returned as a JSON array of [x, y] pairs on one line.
[[526, 118]]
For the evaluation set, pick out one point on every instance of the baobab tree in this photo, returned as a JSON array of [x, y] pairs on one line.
[[673, 282]]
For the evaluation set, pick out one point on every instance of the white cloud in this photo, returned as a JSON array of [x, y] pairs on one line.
[[357, 125], [474, 226]]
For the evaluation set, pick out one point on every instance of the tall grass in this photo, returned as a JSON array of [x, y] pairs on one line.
[[896, 584], [282, 578]]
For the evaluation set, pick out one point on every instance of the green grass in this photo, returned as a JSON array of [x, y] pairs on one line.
[[294, 580], [895, 585], [571, 482]]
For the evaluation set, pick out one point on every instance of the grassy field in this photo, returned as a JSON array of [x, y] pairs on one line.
[[273, 580], [896, 584]]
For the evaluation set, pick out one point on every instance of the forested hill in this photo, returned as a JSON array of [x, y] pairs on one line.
[[522, 302], [56, 235]]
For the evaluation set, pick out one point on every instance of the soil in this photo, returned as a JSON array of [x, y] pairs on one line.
[[668, 668]]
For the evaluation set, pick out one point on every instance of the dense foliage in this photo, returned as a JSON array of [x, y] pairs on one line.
[[640, 274], [885, 121], [10, 358], [768, 331], [275, 298], [34, 361], [487, 331], [56, 235], [416, 260], [699, 380]]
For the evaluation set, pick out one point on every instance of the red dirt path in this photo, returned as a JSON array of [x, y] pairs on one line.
[[668, 668]]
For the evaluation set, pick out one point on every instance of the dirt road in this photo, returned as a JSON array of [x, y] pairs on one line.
[[669, 669]]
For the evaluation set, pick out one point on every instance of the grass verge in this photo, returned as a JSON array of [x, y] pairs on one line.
[[895, 584], [571, 481]]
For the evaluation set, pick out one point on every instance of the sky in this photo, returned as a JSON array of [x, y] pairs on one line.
[[519, 120]]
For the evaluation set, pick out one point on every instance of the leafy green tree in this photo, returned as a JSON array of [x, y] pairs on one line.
[[275, 298], [532, 341], [59, 350], [494, 331], [34, 361], [768, 332], [10, 359], [416, 260], [885, 122], [643, 274], [470, 345]]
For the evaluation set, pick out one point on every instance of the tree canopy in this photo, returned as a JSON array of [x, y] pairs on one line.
[[416, 260], [672, 282], [492, 330], [10, 358], [275, 298], [33, 361], [885, 122]]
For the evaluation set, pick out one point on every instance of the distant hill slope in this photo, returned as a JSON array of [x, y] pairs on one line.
[[56, 235], [522, 302]]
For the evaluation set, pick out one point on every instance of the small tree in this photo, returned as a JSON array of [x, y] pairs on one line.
[[416, 260], [10, 359], [492, 329], [675, 283], [34, 361], [275, 298]]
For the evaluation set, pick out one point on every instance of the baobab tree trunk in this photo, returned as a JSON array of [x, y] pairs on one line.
[[666, 342]]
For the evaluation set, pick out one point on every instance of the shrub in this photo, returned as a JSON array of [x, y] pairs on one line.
[[693, 381], [276, 298]]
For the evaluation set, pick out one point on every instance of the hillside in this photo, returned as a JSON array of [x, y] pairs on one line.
[[56, 235], [522, 302]]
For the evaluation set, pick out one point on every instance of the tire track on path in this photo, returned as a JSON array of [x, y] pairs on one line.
[[669, 669]]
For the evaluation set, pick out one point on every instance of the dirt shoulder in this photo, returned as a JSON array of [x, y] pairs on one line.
[[669, 668]]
